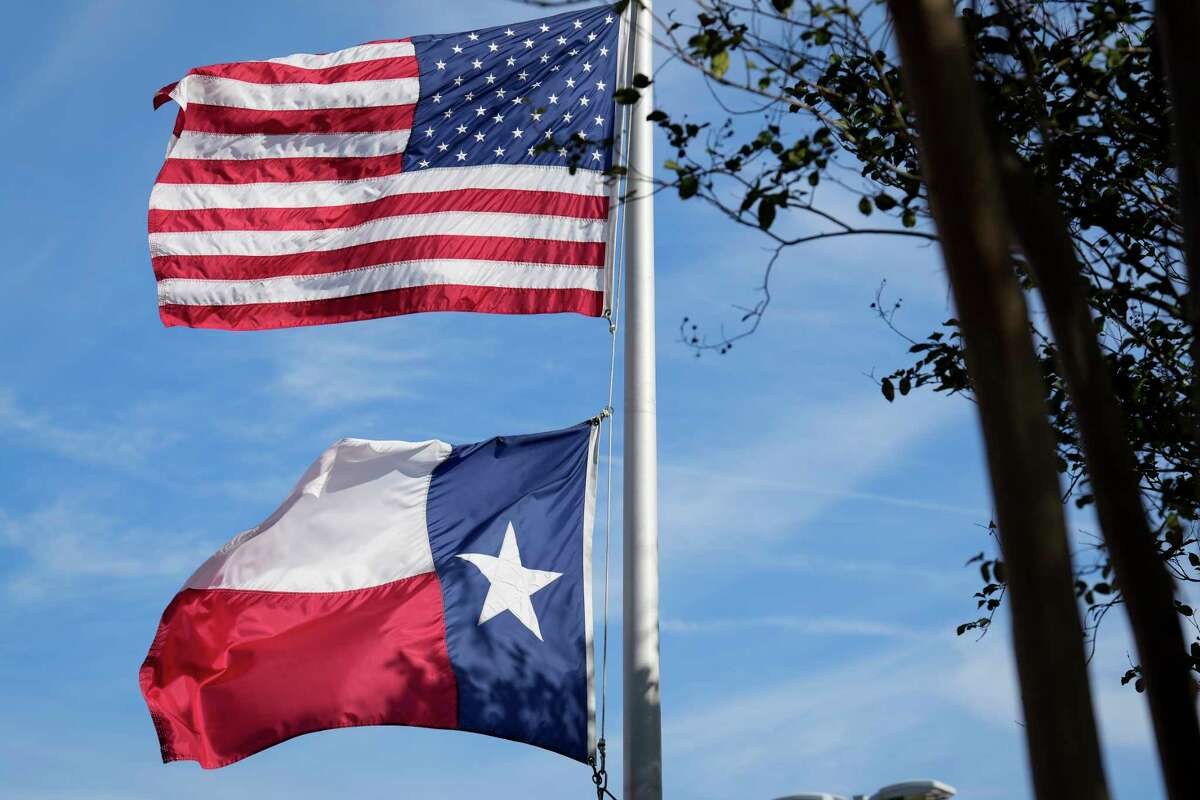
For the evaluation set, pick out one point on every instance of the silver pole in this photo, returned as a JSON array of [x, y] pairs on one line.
[[642, 750]]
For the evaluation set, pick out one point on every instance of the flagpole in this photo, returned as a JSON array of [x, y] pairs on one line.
[[642, 749]]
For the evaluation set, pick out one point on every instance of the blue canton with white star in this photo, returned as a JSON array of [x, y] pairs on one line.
[[493, 95]]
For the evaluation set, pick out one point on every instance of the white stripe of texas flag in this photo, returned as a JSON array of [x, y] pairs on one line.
[[366, 530]]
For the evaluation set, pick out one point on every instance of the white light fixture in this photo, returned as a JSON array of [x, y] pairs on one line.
[[915, 790]]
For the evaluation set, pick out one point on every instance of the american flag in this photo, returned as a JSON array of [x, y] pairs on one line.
[[463, 172]]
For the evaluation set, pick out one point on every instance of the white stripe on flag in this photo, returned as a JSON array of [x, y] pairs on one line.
[[248, 146], [351, 55], [441, 223], [401, 275], [230, 92], [356, 519], [314, 194]]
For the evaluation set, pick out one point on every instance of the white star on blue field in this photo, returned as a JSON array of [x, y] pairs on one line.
[[525, 93], [813, 535], [511, 585]]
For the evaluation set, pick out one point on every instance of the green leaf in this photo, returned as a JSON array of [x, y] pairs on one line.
[[640, 81], [864, 205], [627, 96], [720, 64], [884, 202], [889, 391], [689, 185], [657, 116], [783, 6]]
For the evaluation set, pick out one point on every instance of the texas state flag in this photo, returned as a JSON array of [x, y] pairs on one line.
[[400, 583]]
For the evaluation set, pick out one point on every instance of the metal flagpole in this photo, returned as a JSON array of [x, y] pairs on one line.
[[642, 751]]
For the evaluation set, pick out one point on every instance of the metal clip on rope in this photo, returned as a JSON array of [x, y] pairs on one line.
[[599, 773]]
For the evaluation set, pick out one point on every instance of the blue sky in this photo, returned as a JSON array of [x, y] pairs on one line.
[[813, 535]]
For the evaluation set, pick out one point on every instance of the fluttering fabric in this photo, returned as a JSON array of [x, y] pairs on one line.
[[460, 172], [399, 583]]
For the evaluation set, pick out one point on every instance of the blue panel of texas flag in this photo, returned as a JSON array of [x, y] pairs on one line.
[[525, 677]]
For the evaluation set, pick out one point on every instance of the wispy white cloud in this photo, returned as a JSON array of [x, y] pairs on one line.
[[823, 721], [89, 794], [69, 540], [987, 686], [34, 262], [88, 33], [342, 367], [873, 569], [122, 442], [809, 625], [797, 468], [840, 726], [326, 382]]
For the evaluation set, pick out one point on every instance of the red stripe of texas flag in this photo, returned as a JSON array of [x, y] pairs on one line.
[[309, 662]]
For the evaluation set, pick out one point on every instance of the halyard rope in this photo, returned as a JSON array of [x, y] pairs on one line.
[[599, 771]]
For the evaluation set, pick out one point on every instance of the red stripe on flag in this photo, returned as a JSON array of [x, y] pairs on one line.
[[224, 119], [585, 255], [271, 72], [234, 672], [278, 170], [265, 316], [509, 201], [163, 95]]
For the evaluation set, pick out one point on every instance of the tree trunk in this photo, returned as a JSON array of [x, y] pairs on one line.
[[1145, 584], [957, 161], [1178, 23]]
